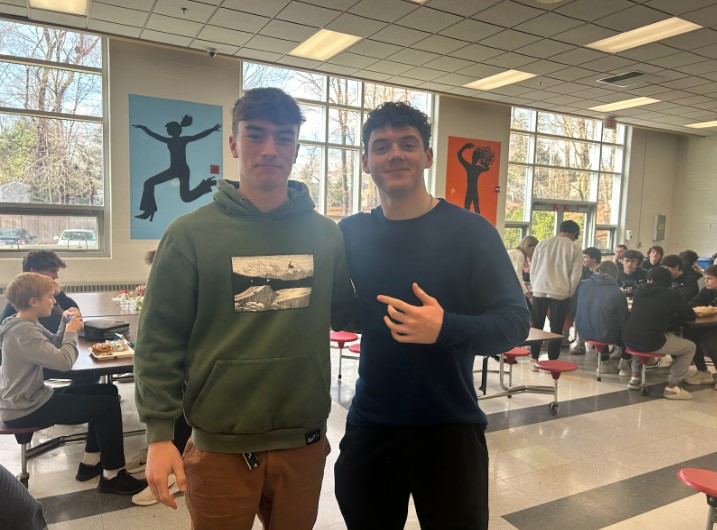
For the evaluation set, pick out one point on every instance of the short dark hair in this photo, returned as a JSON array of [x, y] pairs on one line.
[[689, 257], [570, 227], [658, 248], [659, 275], [671, 260], [593, 253], [710, 271], [396, 114], [270, 104], [632, 254], [607, 268], [42, 260], [622, 246]]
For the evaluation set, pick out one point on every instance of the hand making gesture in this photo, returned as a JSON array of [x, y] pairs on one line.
[[412, 323]]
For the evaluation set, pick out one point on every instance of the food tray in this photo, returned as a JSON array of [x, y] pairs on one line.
[[129, 352]]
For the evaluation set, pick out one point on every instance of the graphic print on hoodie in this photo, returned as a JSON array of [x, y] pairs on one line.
[[272, 283]]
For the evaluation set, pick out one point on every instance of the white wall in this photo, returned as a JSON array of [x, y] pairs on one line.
[[471, 119]]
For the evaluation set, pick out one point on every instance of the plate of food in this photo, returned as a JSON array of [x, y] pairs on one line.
[[111, 349], [705, 310]]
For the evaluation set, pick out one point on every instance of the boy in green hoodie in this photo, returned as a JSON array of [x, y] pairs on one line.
[[234, 334]]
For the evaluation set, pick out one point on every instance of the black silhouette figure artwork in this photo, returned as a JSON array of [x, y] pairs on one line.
[[178, 167], [481, 160]]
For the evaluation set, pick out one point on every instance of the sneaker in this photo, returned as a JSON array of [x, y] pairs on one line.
[[700, 377], [532, 366], [85, 472], [146, 498], [634, 384], [137, 463], [652, 362], [607, 368], [578, 350], [676, 393], [624, 367], [122, 484]]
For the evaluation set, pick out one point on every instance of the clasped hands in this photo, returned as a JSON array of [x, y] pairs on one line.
[[416, 324]]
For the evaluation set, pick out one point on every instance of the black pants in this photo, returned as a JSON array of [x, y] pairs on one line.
[[96, 405], [558, 312], [444, 467], [706, 341]]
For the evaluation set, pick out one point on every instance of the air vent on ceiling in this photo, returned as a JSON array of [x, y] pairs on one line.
[[626, 79]]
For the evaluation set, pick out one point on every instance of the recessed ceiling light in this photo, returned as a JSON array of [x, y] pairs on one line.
[[624, 104], [74, 7], [644, 35], [703, 125], [498, 80], [324, 44]]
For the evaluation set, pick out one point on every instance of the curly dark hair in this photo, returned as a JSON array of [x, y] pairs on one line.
[[396, 114], [270, 104], [42, 260]]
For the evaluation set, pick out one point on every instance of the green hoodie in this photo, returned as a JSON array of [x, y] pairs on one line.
[[236, 319]]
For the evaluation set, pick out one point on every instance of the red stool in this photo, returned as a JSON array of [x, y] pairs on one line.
[[705, 482], [644, 359], [510, 358], [23, 436], [598, 347], [355, 348], [341, 338], [556, 368]]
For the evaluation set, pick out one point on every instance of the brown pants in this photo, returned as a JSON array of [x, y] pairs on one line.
[[223, 493]]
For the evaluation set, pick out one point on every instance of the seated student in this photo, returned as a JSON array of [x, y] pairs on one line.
[[631, 274], [591, 259], [689, 263], [683, 282], [654, 256], [48, 264], [653, 309], [602, 312], [705, 338], [617, 256], [26, 401]]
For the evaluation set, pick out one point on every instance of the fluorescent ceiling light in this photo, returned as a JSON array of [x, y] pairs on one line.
[[506, 78], [324, 44], [644, 35], [624, 104], [75, 7], [703, 125]]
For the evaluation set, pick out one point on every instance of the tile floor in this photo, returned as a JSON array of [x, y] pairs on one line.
[[607, 460]]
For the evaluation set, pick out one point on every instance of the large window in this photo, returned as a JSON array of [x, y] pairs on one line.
[[52, 181], [563, 167], [329, 160]]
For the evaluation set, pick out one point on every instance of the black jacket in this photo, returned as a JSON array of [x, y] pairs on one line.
[[654, 307], [686, 285], [706, 297], [601, 310]]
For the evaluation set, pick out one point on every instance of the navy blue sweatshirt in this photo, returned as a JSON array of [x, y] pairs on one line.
[[458, 258]]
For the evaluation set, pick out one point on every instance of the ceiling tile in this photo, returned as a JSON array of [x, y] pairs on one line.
[[372, 48], [59, 19], [578, 56], [382, 10], [471, 30], [142, 5], [677, 59], [287, 30], [449, 64], [194, 10], [573, 73], [352, 59], [509, 40], [692, 40], [299, 62], [224, 35], [461, 7], [510, 60], [584, 34], [440, 44], [307, 14], [427, 19], [414, 57], [400, 35], [187, 28], [543, 67], [687, 82], [508, 14], [476, 53], [456, 79], [692, 100], [479, 71], [707, 16], [548, 24], [336, 69], [113, 28], [227, 18], [539, 83], [438, 87], [591, 10], [270, 44], [109, 13], [267, 8], [258, 55], [629, 19], [608, 64], [389, 67], [353, 25], [166, 38], [224, 49], [545, 48], [707, 51], [15, 10], [372, 76], [421, 72], [648, 52], [335, 4]]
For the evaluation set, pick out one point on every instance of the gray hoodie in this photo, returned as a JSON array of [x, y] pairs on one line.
[[27, 347]]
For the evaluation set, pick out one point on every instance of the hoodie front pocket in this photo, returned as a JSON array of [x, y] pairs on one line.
[[262, 395]]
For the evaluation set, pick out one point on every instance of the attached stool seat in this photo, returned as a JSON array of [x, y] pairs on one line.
[[705, 482], [355, 348], [341, 338], [599, 347], [644, 359], [510, 358], [23, 435], [556, 368]]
